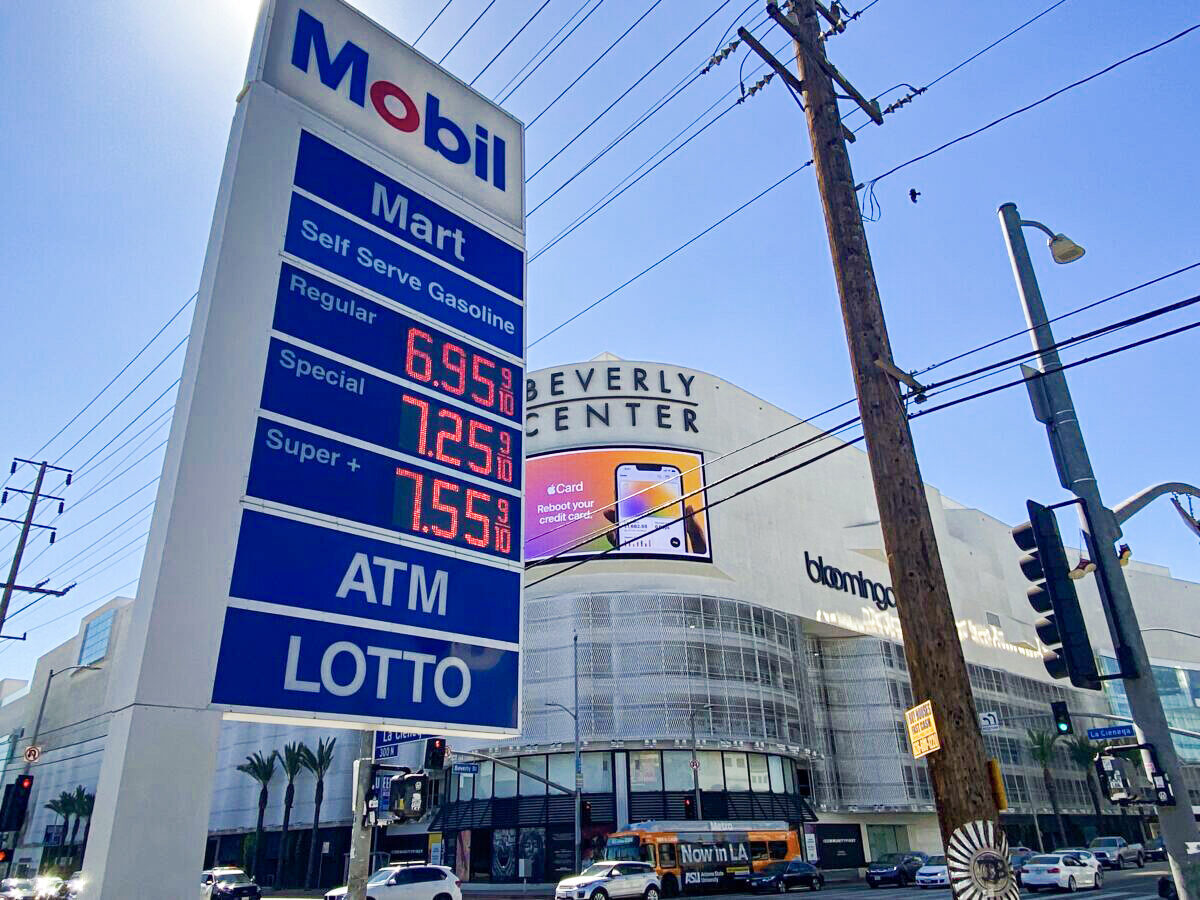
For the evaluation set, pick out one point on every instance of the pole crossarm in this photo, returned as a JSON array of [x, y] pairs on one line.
[[1143, 498]]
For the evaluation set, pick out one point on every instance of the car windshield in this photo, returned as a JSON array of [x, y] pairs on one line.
[[1045, 861], [22, 884], [774, 868], [1105, 842], [889, 859], [598, 869], [229, 877], [382, 876], [936, 861], [1016, 859]]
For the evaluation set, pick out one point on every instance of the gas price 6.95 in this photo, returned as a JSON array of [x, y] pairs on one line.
[[446, 509], [467, 374]]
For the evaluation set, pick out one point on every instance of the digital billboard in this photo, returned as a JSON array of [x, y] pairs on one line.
[[616, 501]]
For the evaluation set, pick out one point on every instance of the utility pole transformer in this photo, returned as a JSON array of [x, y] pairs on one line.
[[958, 771]]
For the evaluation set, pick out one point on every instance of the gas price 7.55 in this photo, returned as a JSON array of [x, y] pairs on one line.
[[455, 512]]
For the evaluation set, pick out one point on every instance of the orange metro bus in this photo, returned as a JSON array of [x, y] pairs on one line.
[[691, 856]]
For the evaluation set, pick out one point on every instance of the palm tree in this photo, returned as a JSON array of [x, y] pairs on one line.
[[78, 806], [86, 805], [67, 801], [1083, 753], [319, 764], [261, 769], [1041, 748], [56, 806], [292, 761]]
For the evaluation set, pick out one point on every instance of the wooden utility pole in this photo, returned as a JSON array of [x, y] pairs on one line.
[[935, 659], [27, 523]]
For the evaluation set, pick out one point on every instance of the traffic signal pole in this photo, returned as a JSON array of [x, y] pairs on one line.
[[360, 826], [958, 771], [1053, 406]]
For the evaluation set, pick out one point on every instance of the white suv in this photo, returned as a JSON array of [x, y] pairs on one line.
[[604, 880], [409, 883]]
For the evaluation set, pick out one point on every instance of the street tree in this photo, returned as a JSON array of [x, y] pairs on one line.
[[57, 807], [1041, 748], [261, 769], [1083, 753], [319, 764], [291, 760]]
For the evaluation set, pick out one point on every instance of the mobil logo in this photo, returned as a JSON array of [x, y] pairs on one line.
[[462, 145]]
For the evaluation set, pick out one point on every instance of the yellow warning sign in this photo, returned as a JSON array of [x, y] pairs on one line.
[[922, 730]]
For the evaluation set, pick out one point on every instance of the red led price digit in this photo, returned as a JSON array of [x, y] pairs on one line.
[[503, 539], [438, 486], [472, 432], [482, 540], [418, 484], [489, 398], [454, 434], [507, 399], [502, 511], [459, 368], [418, 364], [423, 427]]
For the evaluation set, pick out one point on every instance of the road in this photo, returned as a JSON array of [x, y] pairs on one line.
[[1129, 884]]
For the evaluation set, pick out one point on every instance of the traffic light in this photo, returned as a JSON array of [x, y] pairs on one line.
[[1062, 717], [1061, 629], [16, 802], [689, 808], [408, 795], [3, 855], [435, 753]]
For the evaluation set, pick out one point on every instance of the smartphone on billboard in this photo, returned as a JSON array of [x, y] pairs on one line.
[[641, 488]]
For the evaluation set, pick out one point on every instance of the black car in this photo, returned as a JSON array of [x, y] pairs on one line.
[[1156, 849], [783, 876], [895, 868], [228, 884]]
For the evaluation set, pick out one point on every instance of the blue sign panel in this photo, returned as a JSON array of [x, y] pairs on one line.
[[316, 389], [467, 768], [308, 567], [320, 312], [360, 190], [1109, 732], [303, 469], [320, 236], [340, 669]]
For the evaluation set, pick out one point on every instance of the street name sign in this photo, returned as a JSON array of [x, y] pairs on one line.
[[922, 730], [337, 534], [388, 743], [1108, 732]]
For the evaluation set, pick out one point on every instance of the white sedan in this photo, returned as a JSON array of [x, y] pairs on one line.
[[1086, 855], [409, 883], [1064, 871], [934, 873]]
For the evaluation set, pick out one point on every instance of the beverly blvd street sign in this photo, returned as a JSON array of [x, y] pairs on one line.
[[922, 730], [1109, 732], [340, 508], [989, 722]]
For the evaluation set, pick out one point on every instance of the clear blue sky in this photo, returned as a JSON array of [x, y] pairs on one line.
[[116, 117]]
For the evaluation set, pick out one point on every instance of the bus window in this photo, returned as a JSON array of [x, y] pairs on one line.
[[758, 850], [777, 849], [666, 856], [648, 853]]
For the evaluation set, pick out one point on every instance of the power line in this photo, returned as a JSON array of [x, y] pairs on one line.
[[625, 93], [436, 16], [526, 76], [593, 64], [1029, 106], [508, 43], [470, 27]]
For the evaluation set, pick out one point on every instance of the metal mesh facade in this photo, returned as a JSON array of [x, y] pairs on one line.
[[648, 660]]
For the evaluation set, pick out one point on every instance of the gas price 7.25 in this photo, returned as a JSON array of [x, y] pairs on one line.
[[443, 433]]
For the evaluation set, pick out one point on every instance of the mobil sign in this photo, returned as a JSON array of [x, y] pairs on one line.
[[346, 67]]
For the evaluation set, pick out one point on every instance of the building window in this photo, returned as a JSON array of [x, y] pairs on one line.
[[597, 772], [775, 765], [737, 777], [711, 776], [645, 771], [95, 639], [466, 786], [562, 770], [506, 780], [677, 770], [530, 787], [760, 780], [887, 839], [483, 781]]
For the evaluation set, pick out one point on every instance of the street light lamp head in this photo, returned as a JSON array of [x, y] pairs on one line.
[[1064, 250]]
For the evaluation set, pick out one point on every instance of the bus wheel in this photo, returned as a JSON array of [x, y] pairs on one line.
[[670, 886]]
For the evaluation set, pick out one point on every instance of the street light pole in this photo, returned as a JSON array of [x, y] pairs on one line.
[[695, 760], [1053, 406], [578, 769]]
